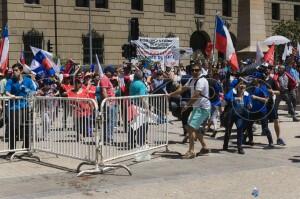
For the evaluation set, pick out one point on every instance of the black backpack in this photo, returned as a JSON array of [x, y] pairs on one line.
[[212, 96]]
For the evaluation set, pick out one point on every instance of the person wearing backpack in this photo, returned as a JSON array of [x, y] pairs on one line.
[[286, 85], [199, 87]]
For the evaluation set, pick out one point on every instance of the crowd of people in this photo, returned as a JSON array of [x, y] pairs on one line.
[[198, 94]]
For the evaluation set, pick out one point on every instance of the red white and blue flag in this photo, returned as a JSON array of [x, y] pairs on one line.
[[224, 44], [42, 65], [4, 48]]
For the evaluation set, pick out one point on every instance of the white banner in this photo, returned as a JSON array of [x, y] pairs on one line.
[[163, 50]]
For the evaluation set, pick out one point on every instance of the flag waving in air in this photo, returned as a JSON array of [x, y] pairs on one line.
[[4, 48], [42, 65], [269, 56], [223, 43]]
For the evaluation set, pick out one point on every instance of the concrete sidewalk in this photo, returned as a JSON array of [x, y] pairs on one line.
[[275, 172]]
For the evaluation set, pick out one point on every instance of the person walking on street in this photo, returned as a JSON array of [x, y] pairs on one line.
[[199, 87]]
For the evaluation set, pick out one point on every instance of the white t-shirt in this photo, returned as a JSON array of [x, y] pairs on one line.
[[203, 87]]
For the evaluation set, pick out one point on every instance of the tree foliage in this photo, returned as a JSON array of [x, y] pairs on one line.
[[289, 29]]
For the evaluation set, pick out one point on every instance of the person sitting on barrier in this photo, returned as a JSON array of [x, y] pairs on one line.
[[83, 110], [18, 86], [199, 87]]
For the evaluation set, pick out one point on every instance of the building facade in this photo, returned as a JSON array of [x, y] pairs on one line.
[[62, 25], [33, 22]]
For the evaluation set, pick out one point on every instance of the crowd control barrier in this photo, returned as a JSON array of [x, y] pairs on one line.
[[15, 124], [131, 125], [79, 129]]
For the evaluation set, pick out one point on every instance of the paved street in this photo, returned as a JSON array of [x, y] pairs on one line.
[[275, 172]]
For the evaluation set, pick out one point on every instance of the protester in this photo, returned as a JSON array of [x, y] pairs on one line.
[[284, 83], [83, 109], [107, 90], [18, 88], [239, 101], [201, 109]]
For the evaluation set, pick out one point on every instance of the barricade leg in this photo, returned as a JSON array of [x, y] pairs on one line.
[[100, 168]]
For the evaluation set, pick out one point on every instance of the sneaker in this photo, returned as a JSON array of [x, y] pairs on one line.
[[189, 155], [271, 146], [280, 142], [295, 119], [204, 151], [241, 151]]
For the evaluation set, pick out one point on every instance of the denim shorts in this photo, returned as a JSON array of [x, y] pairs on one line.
[[197, 117]]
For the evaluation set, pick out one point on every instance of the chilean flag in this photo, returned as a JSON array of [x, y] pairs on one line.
[[4, 48], [224, 43], [42, 65]]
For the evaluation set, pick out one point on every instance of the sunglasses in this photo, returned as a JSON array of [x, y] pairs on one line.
[[195, 70]]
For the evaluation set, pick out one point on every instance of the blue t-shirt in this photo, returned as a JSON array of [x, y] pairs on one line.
[[240, 107], [258, 106], [137, 87], [22, 89]]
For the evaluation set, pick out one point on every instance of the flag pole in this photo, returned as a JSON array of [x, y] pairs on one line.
[[214, 39]]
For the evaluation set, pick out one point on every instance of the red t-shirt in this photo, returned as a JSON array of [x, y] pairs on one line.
[[82, 108], [92, 92], [67, 87], [105, 83]]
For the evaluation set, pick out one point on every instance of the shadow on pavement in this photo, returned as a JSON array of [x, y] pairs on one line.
[[294, 160]]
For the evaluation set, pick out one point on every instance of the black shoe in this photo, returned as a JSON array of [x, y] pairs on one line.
[[225, 147], [280, 142], [271, 146], [295, 119], [241, 151]]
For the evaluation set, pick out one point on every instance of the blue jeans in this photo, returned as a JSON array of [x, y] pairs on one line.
[[110, 122]]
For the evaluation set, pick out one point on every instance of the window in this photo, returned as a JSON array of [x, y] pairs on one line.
[[97, 47], [32, 38], [276, 11], [32, 1], [297, 12], [170, 6], [137, 5], [82, 3], [227, 8], [199, 7], [101, 4]]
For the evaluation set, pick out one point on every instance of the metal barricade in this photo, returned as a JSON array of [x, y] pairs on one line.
[[15, 124], [75, 128], [66, 127], [132, 125]]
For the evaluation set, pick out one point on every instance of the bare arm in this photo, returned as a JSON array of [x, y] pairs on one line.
[[179, 90], [262, 99]]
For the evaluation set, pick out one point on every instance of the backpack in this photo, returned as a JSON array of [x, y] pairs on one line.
[[213, 95]]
